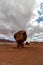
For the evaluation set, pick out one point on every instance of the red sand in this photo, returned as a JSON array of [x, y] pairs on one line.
[[30, 55]]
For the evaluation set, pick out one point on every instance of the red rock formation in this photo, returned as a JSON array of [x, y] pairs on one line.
[[20, 37]]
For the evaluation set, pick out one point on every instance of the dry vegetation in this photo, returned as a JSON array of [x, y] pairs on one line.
[[29, 55]]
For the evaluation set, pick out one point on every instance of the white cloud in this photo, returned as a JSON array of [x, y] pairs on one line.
[[11, 38], [13, 14], [33, 23], [37, 37], [41, 24], [39, 1]]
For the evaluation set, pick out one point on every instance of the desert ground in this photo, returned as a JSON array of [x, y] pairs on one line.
[[29, 55]]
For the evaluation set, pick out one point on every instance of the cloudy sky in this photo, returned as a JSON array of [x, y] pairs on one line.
[[18, 15], [33, 27], [14, 14]]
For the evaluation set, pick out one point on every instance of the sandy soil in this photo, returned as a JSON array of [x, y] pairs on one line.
[[29, 55]]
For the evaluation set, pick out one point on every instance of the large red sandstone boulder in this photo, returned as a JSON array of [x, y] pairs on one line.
[[20, 37]]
